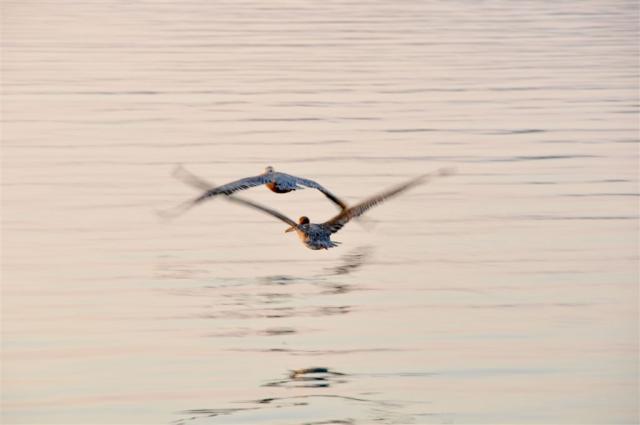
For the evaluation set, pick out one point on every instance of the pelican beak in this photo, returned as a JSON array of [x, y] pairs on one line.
[[290, 229]]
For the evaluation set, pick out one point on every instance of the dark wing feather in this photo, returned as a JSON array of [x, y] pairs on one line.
[[210, 190], [337, 222], [191, 179], [229, 188], [262, 208], [186, 177], [314, 185]]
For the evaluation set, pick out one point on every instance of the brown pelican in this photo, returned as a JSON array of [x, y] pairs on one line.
[[275, 181]]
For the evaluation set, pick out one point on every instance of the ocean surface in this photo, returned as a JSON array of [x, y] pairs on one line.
[[507, 293]]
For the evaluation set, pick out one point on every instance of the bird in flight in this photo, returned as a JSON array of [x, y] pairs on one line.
[[318, 235], [275, 181]]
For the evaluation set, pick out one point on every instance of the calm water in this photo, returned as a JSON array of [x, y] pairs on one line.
[[505, 294]]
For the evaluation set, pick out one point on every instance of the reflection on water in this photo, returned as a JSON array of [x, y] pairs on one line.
[[308, 409], [352, 261], [269, 298], [507, 294], [313, 377]]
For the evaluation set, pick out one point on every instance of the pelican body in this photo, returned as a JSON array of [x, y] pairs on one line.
[[274, 181], [314, 236]]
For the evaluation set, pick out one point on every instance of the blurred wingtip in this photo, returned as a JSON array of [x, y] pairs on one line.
[[440, 172], [177, 170], [171, 213], [365, 223], [447, 171], [166, 215], [163, 215]]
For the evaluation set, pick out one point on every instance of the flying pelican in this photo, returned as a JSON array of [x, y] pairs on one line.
[[318, 235], [274, 181]]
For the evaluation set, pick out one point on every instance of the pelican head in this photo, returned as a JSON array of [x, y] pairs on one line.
[[269, 169], [302, 220]]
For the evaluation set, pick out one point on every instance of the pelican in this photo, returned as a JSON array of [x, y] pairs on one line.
[[318, 235], [274, 181]]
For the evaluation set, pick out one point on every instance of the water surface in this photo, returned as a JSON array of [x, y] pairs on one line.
[[505, 294]]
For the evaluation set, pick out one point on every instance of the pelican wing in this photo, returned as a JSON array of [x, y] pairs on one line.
[[209, 189], [264, 209], [229, 188], [186, 177], [337, 222], [314, 185], [191, 179]]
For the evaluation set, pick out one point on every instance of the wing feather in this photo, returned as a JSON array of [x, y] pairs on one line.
[[337, 222], [229, 188], [190, 179], [262, 208], [209, 189], [315, 185]]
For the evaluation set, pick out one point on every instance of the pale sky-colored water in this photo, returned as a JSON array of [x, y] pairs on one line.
[[505, 294]]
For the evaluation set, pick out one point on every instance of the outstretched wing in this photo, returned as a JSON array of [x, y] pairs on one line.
[[191, 179], [337, 222], [186, 177], [314, 185], [229, 188], [262, 208], [210, 190]]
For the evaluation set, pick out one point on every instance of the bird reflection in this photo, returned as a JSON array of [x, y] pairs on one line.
[[351, 261], [319, 408], [237, 298], [312, 377]]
